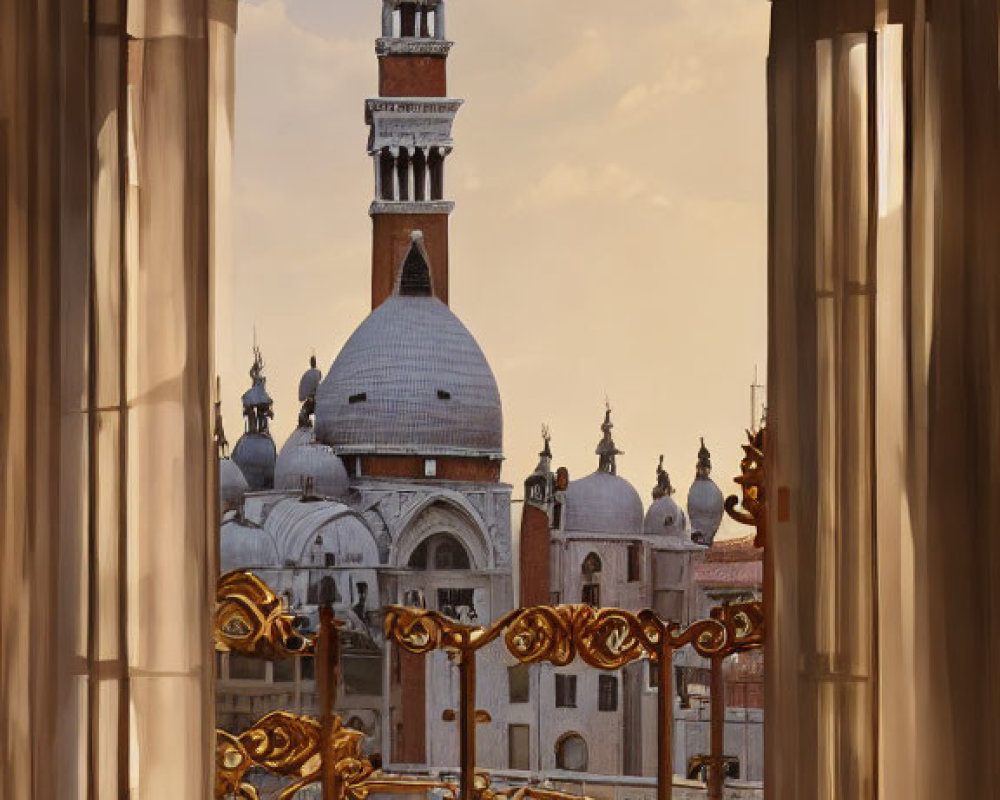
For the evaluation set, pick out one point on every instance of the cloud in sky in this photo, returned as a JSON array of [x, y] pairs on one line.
[[610, 229]]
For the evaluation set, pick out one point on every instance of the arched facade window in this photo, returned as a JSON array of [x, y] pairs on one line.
[[591, 565], [591, 569], [571, 753], [440, 551]]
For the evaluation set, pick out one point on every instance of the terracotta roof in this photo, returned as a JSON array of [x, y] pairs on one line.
[[734, 550], [730, 573]]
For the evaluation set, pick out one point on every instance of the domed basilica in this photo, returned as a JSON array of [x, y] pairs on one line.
[[389, 491]]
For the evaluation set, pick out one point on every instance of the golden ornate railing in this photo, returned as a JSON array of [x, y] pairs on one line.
[[251, 620], [604, 638]]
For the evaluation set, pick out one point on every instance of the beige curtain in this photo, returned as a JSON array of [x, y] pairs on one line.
[[107, 518], [883, 662]]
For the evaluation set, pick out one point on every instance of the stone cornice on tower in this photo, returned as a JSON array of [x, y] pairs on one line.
[[391, 46]]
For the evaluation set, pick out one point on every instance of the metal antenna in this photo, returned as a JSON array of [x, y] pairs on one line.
[[753, 399]]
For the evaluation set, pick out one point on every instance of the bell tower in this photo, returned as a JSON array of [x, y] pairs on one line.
[[409, 140]]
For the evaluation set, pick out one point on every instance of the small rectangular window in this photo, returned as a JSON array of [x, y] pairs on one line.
[[592, 594], [307, 668], [245, 668], [607, 693], [330, 559], [565, 691], [357, 398], [634, 563], [283, 671], [669, 604], [443, 395], [362, 675], [519, 747], [518, 683], [430, 468], [555, 598]]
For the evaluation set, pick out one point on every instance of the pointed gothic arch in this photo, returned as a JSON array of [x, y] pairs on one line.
[[444, 515]]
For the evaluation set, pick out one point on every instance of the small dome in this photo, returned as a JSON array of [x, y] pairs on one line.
[[232, 485], [411, 379], [706, 505], [302, 461], [245, 547], [705, 502], [665, 517], [603, 503], [255, 455], [309, 382]]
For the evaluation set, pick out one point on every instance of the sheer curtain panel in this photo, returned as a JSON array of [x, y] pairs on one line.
[[107, 486], [883, 564]]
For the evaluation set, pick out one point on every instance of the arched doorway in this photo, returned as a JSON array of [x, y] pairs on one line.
[[572, 753]]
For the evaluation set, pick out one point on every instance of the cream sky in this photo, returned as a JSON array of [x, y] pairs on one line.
[[609, 237]]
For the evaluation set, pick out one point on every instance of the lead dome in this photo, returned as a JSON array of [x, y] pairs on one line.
[[304, 465], [411, 379], [603, 502], [705, 502], [232, 485]]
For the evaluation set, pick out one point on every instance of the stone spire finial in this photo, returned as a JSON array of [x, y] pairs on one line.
[[545, 456], [663, 487], [257, 402], [308, 385], [221, 442], [704, 467], [606, 449]]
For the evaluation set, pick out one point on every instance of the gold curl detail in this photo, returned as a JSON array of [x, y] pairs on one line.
[[744, 624], [252, 620], [751, 482], [609, 638], [421, 631], [542, 633]]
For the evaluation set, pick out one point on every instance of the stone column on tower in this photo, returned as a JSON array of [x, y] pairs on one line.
[[412, 115]]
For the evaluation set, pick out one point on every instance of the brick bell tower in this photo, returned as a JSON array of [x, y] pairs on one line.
[[410, 137]]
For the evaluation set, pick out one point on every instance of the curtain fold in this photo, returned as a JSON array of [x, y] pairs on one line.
[[107, 486], [883, 662]]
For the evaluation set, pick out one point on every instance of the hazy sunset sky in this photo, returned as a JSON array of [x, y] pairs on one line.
[[609, 235]]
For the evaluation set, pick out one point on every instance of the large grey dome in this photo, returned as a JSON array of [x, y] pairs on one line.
[[603, 503], [411, 379], [302, 461], [665, 517]]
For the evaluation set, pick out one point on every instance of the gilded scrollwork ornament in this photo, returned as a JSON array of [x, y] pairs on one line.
[[250, 619], [750, 508], [604, 638]]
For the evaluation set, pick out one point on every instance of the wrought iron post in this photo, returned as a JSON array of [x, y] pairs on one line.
[[328, 673], [665, 722], [467, 724], [718, 728]]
